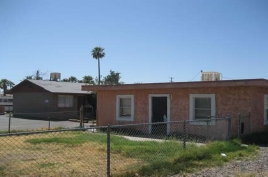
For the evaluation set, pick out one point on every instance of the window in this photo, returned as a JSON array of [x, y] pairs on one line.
[[202, 106], [10, 100], [65, 101], [125, 107], [265, 109]]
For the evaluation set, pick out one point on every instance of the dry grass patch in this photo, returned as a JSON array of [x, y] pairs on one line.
[[51, 154]]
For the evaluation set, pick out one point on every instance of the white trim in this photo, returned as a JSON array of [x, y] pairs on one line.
[[265, 107], [168, 110], [128, 118], [191, 107]]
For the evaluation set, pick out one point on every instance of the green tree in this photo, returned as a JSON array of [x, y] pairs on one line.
[[73, 79], [98, 53], [101, 80], [88, 79], [65, 80], [29, 77], [6, 84], [70, 79], [113, 78]]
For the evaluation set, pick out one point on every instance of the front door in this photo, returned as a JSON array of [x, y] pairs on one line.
[[159, 115]]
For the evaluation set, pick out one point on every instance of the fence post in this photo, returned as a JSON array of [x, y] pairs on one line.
[[108, 152], [83, 122], [229, 127], [207, 128], [249, 123], [239, 124], [48, 123], [9, 122], [184, 134], [81, 116]]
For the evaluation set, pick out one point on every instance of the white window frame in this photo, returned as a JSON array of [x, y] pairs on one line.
[[192, 108], [65, 101], [124, 118], [265, 109]]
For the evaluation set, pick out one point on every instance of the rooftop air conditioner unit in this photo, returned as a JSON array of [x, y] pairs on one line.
[[211, 76], [55, 76]]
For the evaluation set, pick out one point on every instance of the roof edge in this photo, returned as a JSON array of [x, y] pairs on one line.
[[195, 84], [22, 82]]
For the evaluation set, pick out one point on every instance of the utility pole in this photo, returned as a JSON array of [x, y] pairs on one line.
[[171, 79]]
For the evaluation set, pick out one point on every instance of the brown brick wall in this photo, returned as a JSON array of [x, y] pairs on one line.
[[229, 100]]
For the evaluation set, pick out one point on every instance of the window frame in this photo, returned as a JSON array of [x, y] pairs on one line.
[[265, 108], [72, 106], [125, 118], [192, 108]]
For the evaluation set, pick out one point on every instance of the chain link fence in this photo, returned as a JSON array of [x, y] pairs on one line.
[[103, 151], [73, 152], [43, 121]]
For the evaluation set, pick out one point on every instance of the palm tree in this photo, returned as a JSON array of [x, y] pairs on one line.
[[98, 53]]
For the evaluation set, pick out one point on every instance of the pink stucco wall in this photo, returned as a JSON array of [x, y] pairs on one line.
[[229, 100]]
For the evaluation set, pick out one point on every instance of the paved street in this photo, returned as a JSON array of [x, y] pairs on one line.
[[28, 124]]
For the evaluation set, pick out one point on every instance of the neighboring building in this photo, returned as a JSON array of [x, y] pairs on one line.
[[6, 101], [155, 102], [42, 99]]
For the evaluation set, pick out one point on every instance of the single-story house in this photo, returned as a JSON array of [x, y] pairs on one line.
[[43, 99], [177, 101]]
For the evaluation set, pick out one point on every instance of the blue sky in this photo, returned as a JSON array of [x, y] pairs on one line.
[[144, 40]]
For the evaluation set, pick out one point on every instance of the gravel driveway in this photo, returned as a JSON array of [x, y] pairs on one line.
[[257, 167]]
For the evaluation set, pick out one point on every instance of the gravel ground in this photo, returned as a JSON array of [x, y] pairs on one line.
[[257, 167]]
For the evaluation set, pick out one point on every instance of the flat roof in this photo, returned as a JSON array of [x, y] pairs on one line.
[[168, 85]]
